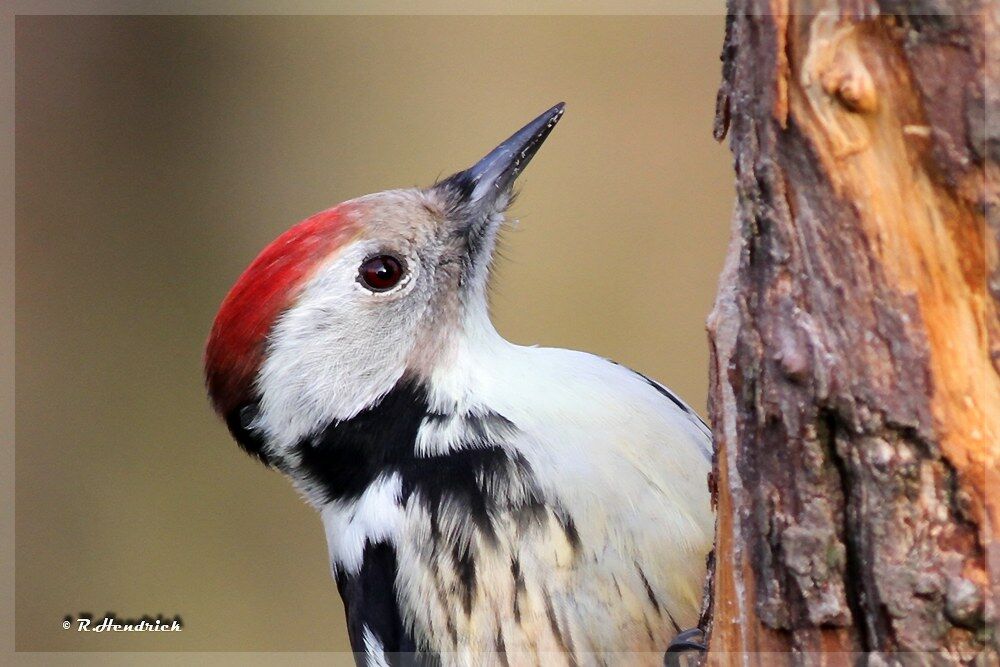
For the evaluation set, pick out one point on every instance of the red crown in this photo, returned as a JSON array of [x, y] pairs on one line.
[[269, 285]]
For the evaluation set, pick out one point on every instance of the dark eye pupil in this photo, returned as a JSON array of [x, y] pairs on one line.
[[381, 273]]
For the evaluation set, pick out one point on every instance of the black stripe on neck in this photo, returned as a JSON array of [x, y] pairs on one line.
[[242, 426], [348, 456]]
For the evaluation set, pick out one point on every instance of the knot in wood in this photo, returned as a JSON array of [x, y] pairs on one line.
[[848, 80], [834, 61]]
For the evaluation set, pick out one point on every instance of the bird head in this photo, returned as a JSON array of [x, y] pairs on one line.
[[339, 308]]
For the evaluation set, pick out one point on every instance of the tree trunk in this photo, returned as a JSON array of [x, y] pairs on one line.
[[855, 390]]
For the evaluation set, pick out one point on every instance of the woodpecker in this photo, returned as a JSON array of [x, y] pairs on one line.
[[483, 502]]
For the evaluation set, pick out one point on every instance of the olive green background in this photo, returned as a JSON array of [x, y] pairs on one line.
[[155, 156]]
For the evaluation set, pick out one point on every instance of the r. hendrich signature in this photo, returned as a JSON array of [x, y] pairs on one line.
[[110, 623]]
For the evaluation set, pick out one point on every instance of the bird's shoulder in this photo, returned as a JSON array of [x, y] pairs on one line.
[[570, 386]]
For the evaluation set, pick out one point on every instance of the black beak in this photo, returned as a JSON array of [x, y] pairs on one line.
[[488, 183]]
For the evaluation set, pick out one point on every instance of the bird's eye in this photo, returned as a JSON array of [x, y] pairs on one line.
[[381, 273]]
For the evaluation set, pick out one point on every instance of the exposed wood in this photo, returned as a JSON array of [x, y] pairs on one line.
[[855, 390]]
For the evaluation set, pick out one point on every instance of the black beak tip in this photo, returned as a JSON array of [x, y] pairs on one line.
[[525, 142], [494, 175], [552, 117], [556, 111]]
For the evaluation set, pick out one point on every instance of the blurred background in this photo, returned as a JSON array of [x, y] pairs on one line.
[[157, 155]]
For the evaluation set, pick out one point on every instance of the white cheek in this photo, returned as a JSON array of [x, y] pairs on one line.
[[336, 351]]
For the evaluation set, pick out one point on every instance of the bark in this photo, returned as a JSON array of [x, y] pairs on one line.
[[855, 389]]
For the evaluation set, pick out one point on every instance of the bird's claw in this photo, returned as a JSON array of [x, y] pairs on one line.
[[689, 640]]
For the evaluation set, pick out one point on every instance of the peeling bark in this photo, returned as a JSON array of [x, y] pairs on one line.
[[855, 389]]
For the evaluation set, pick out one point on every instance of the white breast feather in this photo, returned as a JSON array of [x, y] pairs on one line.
[[627, 464]]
